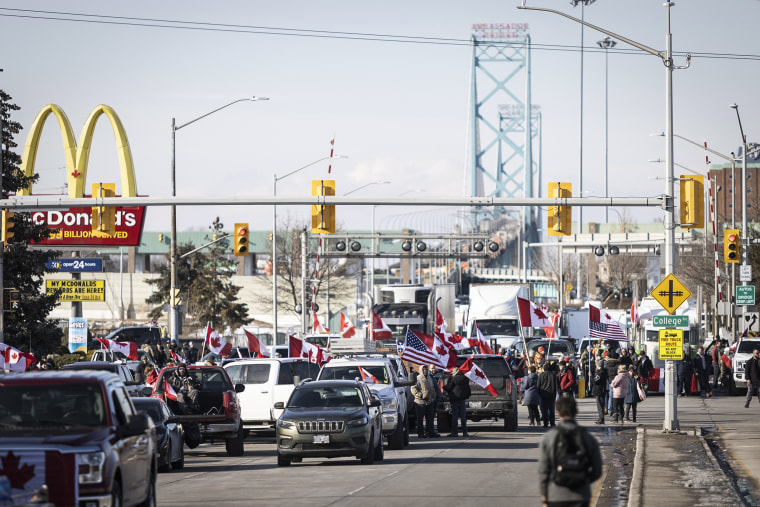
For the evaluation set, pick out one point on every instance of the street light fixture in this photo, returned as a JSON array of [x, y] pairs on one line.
[[744, 187], [275, 179], [173, 317], [606, 44]]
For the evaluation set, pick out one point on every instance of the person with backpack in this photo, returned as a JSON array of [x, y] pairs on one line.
[[569, 460]]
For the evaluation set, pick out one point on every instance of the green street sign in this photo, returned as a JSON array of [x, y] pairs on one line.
[[745, 295], [670, 321]]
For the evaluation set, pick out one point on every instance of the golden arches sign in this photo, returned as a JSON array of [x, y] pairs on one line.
[[78, 155]]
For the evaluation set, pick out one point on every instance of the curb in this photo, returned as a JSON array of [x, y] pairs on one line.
[[634, 492]]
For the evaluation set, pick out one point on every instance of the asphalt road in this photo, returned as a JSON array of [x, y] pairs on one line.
[[490, 467]]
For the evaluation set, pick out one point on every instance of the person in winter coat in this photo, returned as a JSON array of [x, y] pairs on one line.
[[725, 371], [752, 374], [703, 367], [619, 387], [458, 387], [530, 395], [424, 404], [548, 384], [566, 379], [684, 372], [612, 363], [632, 397], [644, 365], [599, 389]]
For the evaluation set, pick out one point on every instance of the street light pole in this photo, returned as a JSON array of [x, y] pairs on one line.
[[606, 44], [173, 315], [744, 187], [275, 179], [671, 422]]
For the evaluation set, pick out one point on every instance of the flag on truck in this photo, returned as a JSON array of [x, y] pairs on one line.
[[346, 328], [13, 359], [601, 325], [421, 348], [255, 346], [481, 341], [367, 376], [177, 359], [380, 330], [169, 391], [216, 343], [306, 350], [129, 349], [473, 372]]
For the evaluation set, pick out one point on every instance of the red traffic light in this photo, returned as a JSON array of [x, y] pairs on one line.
[[242, 231], [732, 237]]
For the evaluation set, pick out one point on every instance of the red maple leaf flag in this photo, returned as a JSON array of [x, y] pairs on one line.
[[473, 372], [152, 377], [216, 343], [306, 350], [13, 359], [255, 346], [454, 341], [367, 376], [177, 359], [346, 328], [129, 349], [169, 391], [440, 322], [481, 342], [380, 330], [443, 356], [25, 470], [318, 328], [531, 315], [603, 326]]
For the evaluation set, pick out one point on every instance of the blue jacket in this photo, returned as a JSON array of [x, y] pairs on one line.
[[530, 389], [633, 393]]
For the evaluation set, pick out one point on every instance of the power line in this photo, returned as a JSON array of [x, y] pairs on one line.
[[323, 34]]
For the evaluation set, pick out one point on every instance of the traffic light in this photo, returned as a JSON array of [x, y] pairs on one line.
[[8, 223], [103, 217], [559, 217], [731, 245], [241, 240], [11, 300], [322, 215], [692, 201]]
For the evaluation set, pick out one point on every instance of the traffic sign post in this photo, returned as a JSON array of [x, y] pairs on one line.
[[745, 295], [670, 293]]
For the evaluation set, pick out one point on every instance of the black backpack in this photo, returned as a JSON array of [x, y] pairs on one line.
[[571, 461]]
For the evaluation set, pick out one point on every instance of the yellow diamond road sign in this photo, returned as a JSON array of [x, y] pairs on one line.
[[670, 293]]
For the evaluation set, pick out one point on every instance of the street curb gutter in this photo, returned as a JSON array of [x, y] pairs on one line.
[[634, 493]]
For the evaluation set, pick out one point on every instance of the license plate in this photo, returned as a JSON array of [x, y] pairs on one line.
[[321, 439], [475, 404]]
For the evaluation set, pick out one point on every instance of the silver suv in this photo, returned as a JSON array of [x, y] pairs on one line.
[[383, 380]]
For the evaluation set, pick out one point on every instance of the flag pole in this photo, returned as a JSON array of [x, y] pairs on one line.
[[522, 335], [205, 338]]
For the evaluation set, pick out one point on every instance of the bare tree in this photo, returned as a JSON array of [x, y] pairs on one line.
[[547, 260], [622, 272]]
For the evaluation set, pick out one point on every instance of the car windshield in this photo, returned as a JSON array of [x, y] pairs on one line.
[[553, 348], [747, 346], [315, 397], [70, 404], [493, 367], [249, 373], [501, 327], [375, 374], [152, 409]]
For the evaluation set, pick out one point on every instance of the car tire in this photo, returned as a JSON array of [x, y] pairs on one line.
[[444, 422], [406, 432], [396, 439], [116, 496], [150, 501], [510, 421], [236, 446], [166, 467], [369, 458], [282, 461], [180, 463]]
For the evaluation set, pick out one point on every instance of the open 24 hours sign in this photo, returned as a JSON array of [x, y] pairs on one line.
[[77, 290]]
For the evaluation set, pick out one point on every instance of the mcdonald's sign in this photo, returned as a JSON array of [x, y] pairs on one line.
[[75, 224]]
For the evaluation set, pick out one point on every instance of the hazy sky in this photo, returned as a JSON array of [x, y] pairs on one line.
[[397, 109]]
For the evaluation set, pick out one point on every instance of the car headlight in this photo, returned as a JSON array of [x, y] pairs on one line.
[[91, 467], [285, 424], [388, 403], [358, 422]]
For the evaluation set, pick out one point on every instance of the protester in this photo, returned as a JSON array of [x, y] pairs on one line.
[[684, 372], [619, 389], [632, 396], [562, 484], [600, 384], [702, 369], [715, 356], [424, 407], [192, 354], [548, 385], [437, 386], [141, 371], [625, 358], [752, 374], [725, 371], [530, 395], [611, 364], [566, 379], [458, 387], [644, 365]]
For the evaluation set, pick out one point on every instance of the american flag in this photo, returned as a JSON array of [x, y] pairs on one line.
[[415, 351], [601, 325]]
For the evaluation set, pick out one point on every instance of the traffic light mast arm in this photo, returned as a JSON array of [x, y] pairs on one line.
[[204, 246]]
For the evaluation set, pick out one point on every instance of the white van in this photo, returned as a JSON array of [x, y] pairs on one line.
[[267, 381], [742, 354]]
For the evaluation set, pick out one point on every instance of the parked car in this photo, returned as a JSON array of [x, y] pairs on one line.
[[134, 388], [334, 418], [218, 412], [137, 334], [91, 446], [114, 356], [170, 437], [267, 381]]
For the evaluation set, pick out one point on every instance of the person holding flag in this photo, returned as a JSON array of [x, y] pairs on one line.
[[458, 388]]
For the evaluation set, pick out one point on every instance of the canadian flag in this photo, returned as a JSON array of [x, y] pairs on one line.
[[551, 332], [481, 343], [380, 330], [454, 341], [440, 322], [531, 315], [306, 350], [13, 359], [318, 327], [169, 391], [216, 343], [445, 354], [255, 346], [367, 376], [473, 372], [177, 359], [129, 349], [346, 328], [152, 377]]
